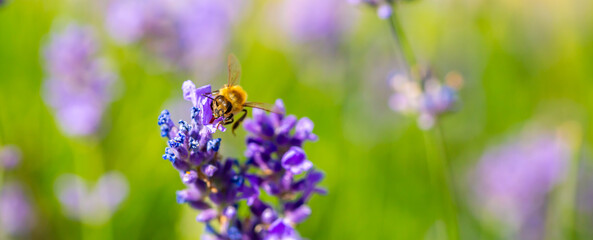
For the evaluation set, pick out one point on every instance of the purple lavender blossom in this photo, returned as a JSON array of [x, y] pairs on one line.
[[16, 216], [93, 205], [78, 83], [428, 98], [384, 7], [276, 164], [184, 34], [10, 157], [512, 181]]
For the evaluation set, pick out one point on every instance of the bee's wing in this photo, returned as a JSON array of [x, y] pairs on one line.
[[234, 70], [263, 106]]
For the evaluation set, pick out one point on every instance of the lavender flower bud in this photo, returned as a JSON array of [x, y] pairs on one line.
[[206, 215], [296, 161], [190, 177]]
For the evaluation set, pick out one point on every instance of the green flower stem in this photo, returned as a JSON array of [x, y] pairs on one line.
[[561, 215], [441, 180], [438, 166], [403, 45]]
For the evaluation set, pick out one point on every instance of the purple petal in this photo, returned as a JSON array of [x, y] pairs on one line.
[[181, 165], [281, 230], [189, 92], [271, 188], [269, 215], [286, 125], [279, 107], [258, 207], [188, 195], [203, 103], [314, 177], [200, 205], [190, 177], [299, 215], [304, 130], [209, 170], [294, 156], [251, 126], [230, 212], [296, 161], [207, 215]]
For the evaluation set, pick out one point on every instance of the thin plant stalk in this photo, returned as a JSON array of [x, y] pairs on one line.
[[438, 165], [561, 214], [448, 190], [403, 45]]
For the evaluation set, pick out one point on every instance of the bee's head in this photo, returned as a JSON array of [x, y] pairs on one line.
[[220, 107]]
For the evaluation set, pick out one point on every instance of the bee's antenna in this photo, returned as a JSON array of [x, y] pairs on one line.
[[204, 95]]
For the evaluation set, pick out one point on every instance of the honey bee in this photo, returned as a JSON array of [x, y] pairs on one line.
[[231, 99]]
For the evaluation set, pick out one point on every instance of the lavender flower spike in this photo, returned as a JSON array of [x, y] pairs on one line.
[[78, 82], [16, 213], [511, 182], [275, 163]]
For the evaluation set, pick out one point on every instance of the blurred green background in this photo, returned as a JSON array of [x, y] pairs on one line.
[[518, 59]]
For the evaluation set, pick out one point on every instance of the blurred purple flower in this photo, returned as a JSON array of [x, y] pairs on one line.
[[512, 181], [306, 21], [275, 164], [186, 34], [94, 205], [428, 99], [78, 83], [16, 216], [10, 156], [384, 7]]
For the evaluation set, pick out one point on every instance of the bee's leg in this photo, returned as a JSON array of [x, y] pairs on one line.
[[212, 107], [229, 119], [225, 121], [238, 122]]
